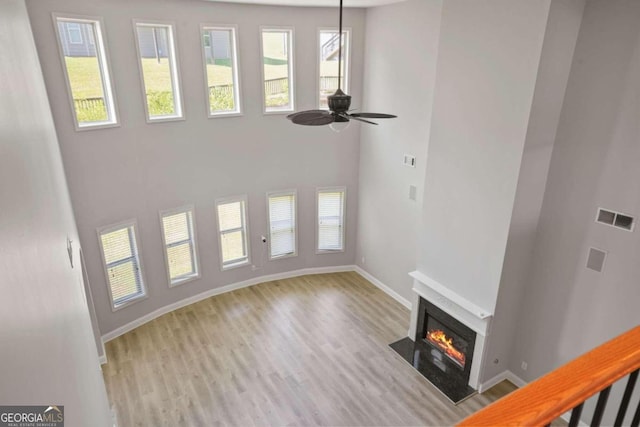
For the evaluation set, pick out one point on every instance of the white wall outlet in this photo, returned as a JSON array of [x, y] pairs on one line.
[[363, 260], [524, 365], [409, 160]]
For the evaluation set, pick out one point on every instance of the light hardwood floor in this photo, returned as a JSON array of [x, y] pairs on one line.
[[311, 350]]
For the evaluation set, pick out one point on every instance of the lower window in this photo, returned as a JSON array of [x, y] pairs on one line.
[[122, 263], [233, 230]]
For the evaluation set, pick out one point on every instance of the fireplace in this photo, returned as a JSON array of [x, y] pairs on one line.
[[446, 338], [445, 344]]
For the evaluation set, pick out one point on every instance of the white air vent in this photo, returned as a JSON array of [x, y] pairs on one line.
[[595, 260], [615, 219]]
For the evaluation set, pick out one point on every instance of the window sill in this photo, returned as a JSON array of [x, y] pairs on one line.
[[128, 303], [238, 264], [183, 280]]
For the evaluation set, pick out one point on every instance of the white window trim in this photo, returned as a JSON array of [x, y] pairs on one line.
[[347, 60], [292, 69], [236, 70], [113, 227], [175, 71], [196, 259], [344, 220], [102, 53], [79, 32], [223, 201], [293, 193]]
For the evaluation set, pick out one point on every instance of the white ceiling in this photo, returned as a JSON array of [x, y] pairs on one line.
[[315, 3]]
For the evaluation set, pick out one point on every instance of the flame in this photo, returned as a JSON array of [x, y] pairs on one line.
[[440, 339]]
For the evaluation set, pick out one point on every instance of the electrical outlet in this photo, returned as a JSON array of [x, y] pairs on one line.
[[363, 260], [524, 365]]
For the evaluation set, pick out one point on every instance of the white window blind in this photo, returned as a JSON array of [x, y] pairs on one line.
[[331, 220], [122, 264], [232, 225], [282, 225], [179, 240]]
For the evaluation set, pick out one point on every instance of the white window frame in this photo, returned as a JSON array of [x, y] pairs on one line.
[[76, 28], [237, 91], [292, 69], [293, 193], [247, 261], [346, 60], [181, 280], [143, 287], [344, 219], [102, 54], [176, 81]]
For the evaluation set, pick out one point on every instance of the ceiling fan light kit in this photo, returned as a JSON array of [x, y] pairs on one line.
[[339, 104]]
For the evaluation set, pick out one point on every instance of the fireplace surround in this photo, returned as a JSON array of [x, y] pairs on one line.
[[446, 339]]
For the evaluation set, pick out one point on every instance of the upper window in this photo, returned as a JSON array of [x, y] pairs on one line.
[[219, 50], [122, 264], [158, 68], [328, 51], [87, 72], [180, 245], [282, 224], [277, 69], [233, 229], [330, 231]]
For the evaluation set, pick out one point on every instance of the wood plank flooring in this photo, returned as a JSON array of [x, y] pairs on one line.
[[311, 350]]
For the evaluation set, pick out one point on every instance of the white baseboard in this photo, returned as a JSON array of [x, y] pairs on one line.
[[505, 375], [221, 290], [393, 294], [102, 359]]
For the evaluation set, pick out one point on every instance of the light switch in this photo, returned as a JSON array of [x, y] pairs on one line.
[[409, 160]]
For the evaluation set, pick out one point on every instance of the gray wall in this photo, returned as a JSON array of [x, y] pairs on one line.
[[137, 169], [563, 25], [388, 220], [568, 309], [486, 73], [48, 355]]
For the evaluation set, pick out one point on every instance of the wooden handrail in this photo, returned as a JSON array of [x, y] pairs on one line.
[[545, 399]]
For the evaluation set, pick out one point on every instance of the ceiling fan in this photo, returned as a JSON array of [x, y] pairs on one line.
[[339, 103]]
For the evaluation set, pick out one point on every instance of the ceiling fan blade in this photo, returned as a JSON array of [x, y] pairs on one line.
[[350, 117], [312, 118], [292, 115], [374, 115]]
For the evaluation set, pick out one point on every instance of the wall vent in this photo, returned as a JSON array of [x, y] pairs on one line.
[[595, 260], [615, 219]]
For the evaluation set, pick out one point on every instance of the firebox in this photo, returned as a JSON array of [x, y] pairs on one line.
[[445, 343]]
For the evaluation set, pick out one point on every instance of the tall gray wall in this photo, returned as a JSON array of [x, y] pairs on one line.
[[399, 78], [138, 169], [487, 68], [48, 354], [560, 37], [566, 308]]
